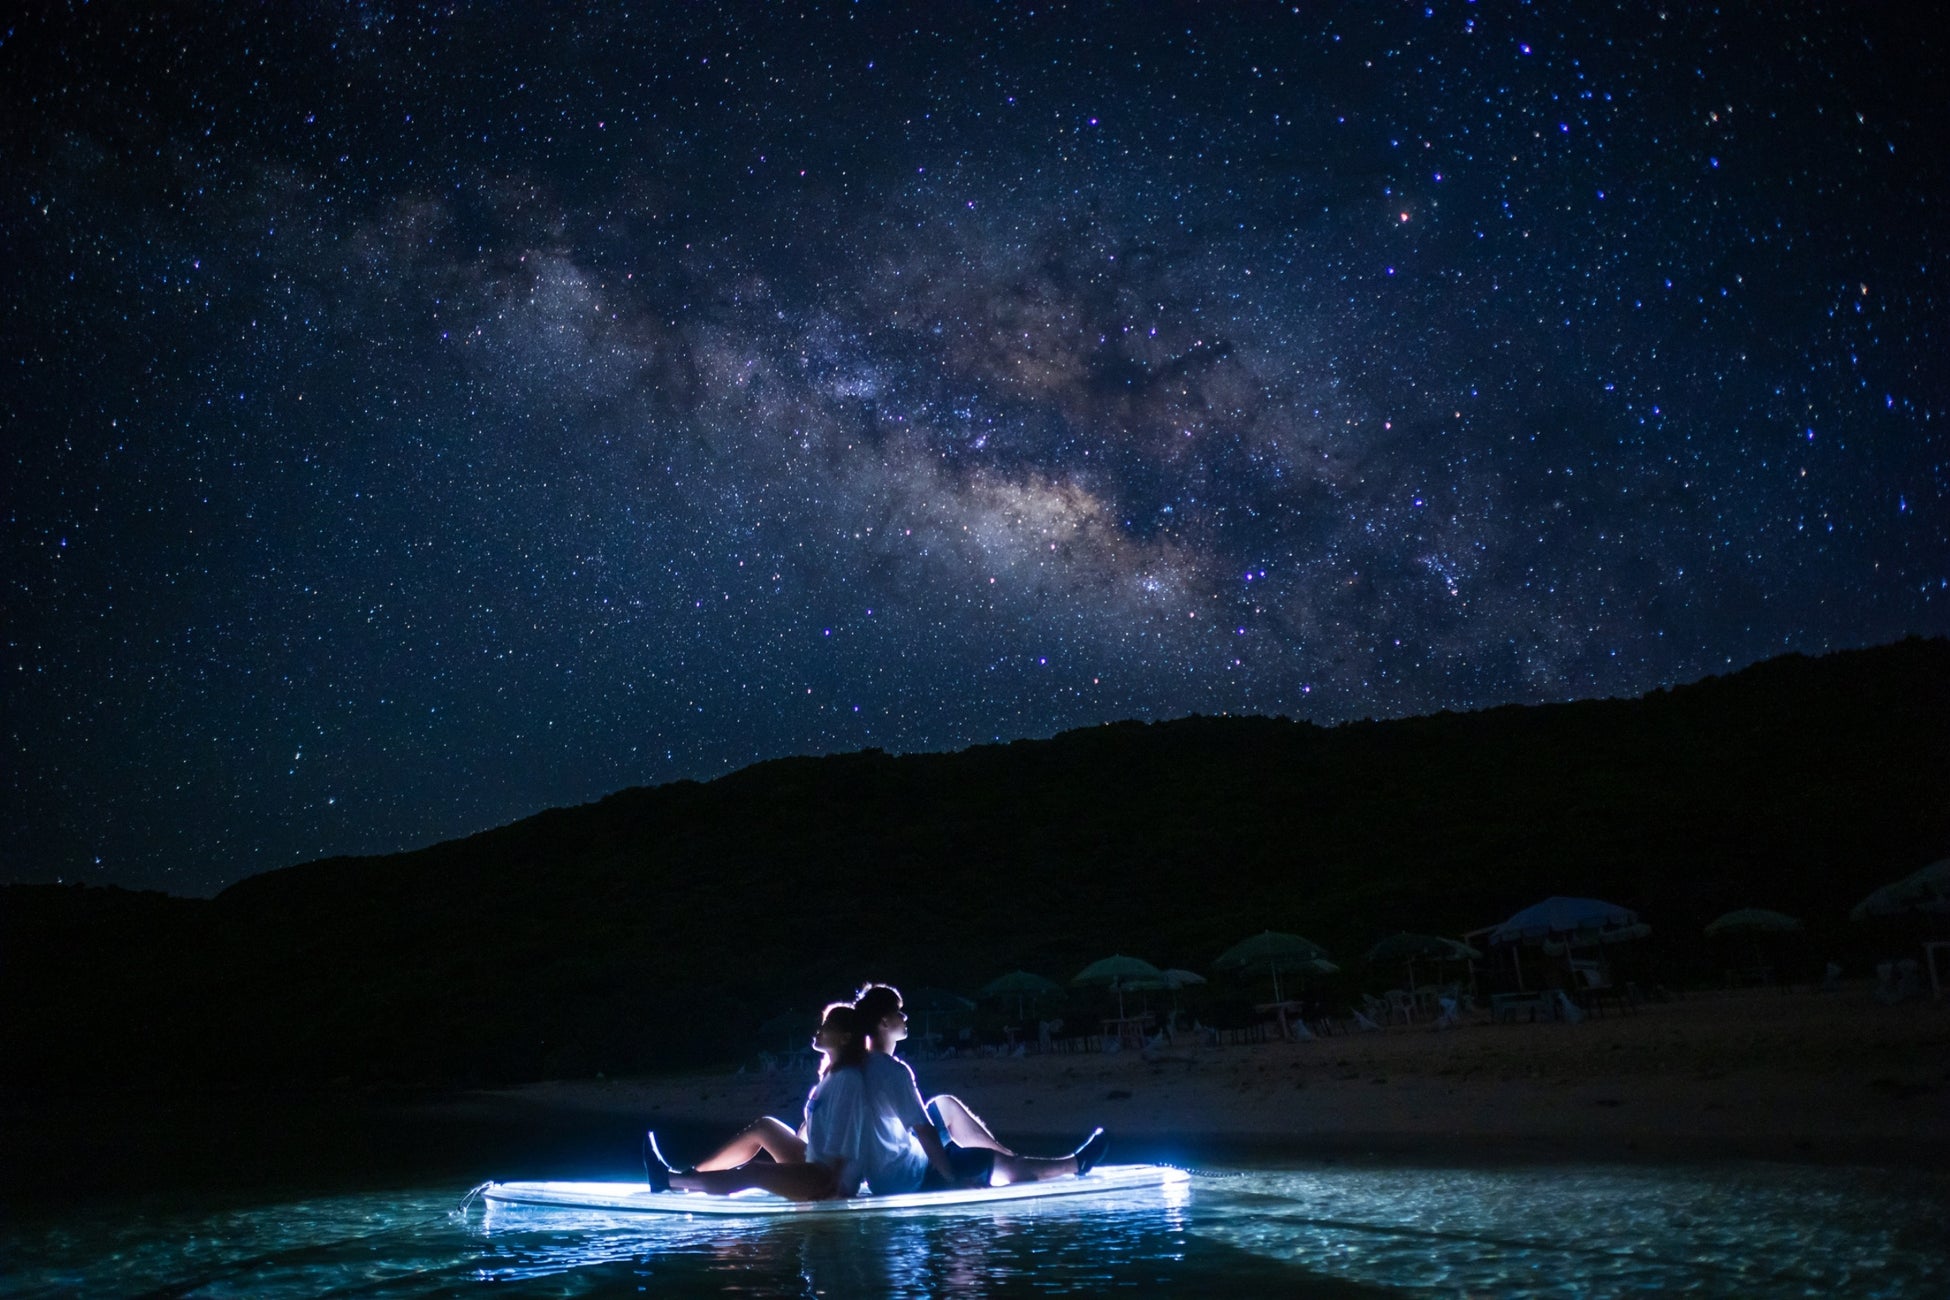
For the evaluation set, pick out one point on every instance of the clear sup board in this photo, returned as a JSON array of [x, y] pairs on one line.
[[635, 1198]]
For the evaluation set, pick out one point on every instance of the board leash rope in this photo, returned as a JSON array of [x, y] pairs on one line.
[[1209, 1173]]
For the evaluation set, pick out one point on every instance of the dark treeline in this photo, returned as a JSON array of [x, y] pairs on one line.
[[656, 928]]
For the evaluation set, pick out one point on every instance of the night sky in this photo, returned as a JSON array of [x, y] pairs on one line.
[[419, 417]]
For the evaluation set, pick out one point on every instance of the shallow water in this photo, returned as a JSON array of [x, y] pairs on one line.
[[1748, 1231]]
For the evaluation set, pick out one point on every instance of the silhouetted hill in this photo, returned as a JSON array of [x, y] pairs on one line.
[[657, 927]]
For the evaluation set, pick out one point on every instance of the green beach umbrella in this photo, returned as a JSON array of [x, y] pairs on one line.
[[1753, 920], [932, 1002], [1020, 984], [1172, 980], [1411, 948], [1420, 947], [1924, 890], [1274, 949], [1119, 973]]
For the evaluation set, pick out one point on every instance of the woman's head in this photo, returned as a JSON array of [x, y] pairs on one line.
[[839, 1039], [879, 1009]]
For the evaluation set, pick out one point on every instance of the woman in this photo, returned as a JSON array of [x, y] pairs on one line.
[[828, 1163]]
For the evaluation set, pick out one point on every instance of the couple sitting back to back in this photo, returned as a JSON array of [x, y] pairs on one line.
[[866, 1124]]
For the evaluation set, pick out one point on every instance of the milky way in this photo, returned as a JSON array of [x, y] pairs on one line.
[[418, 418]]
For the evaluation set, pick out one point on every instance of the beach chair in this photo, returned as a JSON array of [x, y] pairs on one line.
[[1909, 979], [1595, 988], [1401, 1008], [1451, 1017], [1361, 1019], [1568, 1011]]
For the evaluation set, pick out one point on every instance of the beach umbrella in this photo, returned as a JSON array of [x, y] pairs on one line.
[[1274, 948], [1592, 938], [1172, 979], [1167, 979], [932, 1002], [1020, 984], [1119, 973], [1411, 948], [1559, 917], [1926, 890], [1420, 947], [1752, 920], [1561, 924]]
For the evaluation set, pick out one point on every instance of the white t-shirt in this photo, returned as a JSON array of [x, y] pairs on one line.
[[838, 1123], [892, 1158]]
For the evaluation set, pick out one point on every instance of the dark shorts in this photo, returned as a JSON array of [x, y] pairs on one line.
[[973, 1166]]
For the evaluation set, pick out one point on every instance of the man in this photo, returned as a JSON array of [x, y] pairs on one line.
[[925, 1146]]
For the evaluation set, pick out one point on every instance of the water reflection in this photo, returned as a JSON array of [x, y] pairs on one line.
[[1068, 1247], [1756, 1231]]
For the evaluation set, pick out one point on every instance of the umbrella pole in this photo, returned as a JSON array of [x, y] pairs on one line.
[[1275, 962], [1516, 955]]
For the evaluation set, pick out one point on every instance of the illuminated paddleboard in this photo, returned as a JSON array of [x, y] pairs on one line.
[[635, 1198]]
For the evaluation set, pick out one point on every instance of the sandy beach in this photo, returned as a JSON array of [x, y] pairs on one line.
[[1759, 1074]]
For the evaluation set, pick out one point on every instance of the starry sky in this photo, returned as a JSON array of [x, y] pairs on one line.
[[417, 417]]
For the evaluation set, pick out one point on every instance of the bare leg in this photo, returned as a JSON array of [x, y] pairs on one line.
[[764, 1134], [1011, 1168], [800, 1182], [965, 1128]]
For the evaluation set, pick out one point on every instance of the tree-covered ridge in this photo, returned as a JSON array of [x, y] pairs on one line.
[[553, 945]]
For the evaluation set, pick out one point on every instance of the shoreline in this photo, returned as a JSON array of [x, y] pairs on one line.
[[1760, 1074], [1796, 1078]]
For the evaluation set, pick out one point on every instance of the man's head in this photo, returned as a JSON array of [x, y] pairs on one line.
[[879, 1008]]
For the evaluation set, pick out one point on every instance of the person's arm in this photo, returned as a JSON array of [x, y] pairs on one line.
[[914, 1113], [937, 1156]]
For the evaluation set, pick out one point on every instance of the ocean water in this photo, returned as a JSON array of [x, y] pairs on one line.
[[1751, 1231]]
